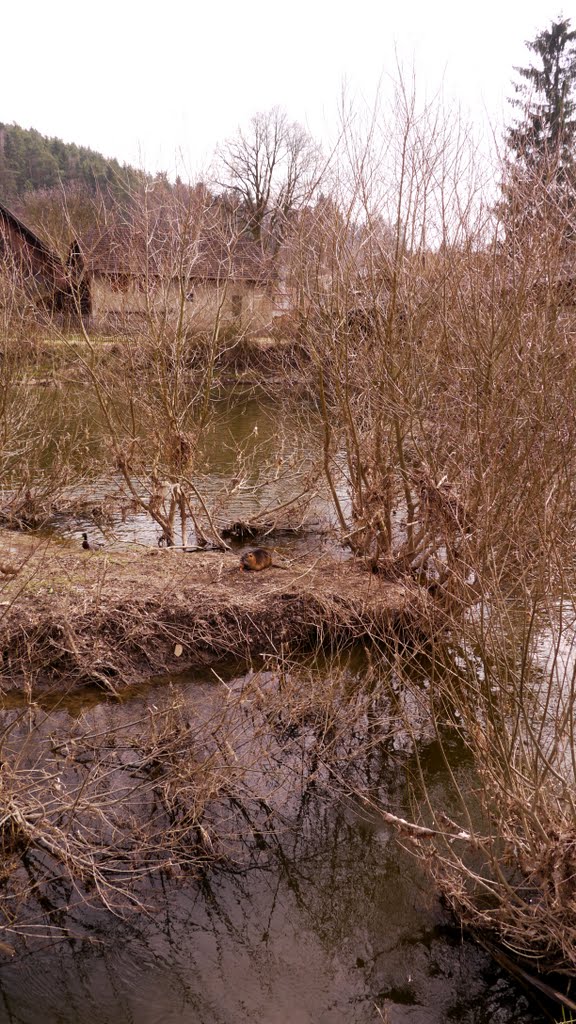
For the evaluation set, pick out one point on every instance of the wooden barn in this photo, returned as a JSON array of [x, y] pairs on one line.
[[30, 268], [124, 279]]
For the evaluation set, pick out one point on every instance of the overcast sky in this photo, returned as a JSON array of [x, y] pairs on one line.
[[152, 84]]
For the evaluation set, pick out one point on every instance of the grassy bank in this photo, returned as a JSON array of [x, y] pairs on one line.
[[73, 618]]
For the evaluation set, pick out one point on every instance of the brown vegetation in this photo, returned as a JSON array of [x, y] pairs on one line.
[[442, 382], [80, 618]]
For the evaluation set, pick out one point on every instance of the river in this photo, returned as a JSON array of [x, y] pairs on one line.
[[322, 919]]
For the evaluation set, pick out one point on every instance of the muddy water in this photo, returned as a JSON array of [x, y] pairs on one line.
[[324, 921], [253, 457], [332, 932]]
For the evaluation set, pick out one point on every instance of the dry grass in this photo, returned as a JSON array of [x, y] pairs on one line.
[[75, 618]]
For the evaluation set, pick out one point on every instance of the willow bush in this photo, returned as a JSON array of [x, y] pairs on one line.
[[441, 351]]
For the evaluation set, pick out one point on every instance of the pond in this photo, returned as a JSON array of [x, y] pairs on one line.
[[254, 455], [321, 919]]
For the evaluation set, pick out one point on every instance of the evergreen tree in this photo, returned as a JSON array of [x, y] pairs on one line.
[[30, 161], [545, 135], [539, 190]]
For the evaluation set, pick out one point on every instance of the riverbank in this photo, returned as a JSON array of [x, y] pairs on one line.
[[73, 618]]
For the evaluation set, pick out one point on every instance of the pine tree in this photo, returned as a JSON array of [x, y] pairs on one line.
[[546, 133], [540, 182]]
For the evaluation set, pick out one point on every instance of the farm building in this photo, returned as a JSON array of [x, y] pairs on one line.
[[30, 270], [124, 280], [121, 278]]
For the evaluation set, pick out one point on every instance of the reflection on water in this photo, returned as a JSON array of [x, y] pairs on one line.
[[253, 457], [324, 931], [324, 920]]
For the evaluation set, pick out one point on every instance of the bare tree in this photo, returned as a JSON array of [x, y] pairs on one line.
[[270, 170]]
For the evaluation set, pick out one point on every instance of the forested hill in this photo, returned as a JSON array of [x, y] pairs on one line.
[[30, 161]]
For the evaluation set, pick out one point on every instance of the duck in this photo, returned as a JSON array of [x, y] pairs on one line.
[[88, 546]]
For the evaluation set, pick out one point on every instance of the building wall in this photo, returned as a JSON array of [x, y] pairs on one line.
[[125, 302]]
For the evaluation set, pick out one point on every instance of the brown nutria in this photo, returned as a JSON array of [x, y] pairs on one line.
[[258, 558]]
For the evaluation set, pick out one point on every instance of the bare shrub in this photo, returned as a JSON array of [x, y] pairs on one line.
[[187, 289], [442, 356]]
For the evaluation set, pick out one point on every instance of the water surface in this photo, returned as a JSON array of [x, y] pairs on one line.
[[322, 920]]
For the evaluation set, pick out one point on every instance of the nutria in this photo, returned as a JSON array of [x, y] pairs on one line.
[[258, 558]]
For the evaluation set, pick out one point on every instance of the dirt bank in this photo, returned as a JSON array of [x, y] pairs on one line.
[[72, 618]]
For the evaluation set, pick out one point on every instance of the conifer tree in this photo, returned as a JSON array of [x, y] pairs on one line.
[[546, 131], [540, 181]]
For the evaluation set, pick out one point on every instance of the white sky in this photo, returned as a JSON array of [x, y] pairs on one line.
[[145, 81]]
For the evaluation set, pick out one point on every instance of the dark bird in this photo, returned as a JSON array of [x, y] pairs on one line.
[[85, 542]]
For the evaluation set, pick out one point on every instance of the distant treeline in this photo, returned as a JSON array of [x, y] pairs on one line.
[[60, 189], [30, 161], [63, 191]]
